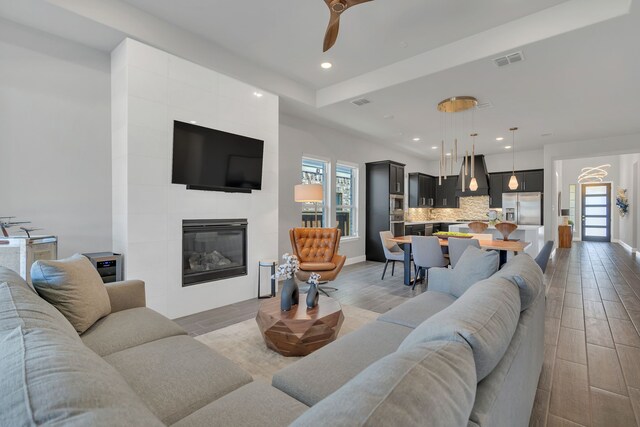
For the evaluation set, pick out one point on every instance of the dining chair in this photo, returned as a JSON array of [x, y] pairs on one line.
[[392, 252], [427, 253], [457, 246], [543, 256]]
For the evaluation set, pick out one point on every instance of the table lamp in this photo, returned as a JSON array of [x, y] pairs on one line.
[[309, 193]]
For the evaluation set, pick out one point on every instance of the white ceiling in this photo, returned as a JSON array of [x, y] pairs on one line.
[[579, 79], [287, 36]]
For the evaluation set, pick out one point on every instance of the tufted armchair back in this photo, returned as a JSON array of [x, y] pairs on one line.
[[315, 244]]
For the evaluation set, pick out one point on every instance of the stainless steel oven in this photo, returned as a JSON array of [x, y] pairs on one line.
[[396, 205]]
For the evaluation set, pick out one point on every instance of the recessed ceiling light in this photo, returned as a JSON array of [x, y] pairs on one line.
[[448, 154], [416, 139], [499, 138], [193, 122], [257, 94], [506, 147], [326, 65], [435, 147]]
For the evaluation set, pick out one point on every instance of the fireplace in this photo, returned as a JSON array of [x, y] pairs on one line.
[[213, 249]]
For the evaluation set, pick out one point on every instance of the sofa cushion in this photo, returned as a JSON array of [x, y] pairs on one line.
[[49, 378], [254, 404], [524, 272], [316, 376], [486, 316], [178, 375], [74, 287], [431, 384], [473, 266], [129, 328], [9, 276], [20, 306], [418, 309]]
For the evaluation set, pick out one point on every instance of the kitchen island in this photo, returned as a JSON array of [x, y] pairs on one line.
[[526, 233]]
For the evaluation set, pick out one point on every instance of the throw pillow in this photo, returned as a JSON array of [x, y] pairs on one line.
[[74, 287], [486, 317], [474, 265]]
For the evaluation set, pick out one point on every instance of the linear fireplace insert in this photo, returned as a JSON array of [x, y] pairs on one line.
[[213, 249]]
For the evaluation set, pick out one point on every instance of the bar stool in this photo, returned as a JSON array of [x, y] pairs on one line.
[[272, 265]]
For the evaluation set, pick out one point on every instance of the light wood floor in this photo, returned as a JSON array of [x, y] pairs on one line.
[[591, 373]]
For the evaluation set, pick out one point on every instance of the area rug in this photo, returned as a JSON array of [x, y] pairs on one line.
[[243, 344]]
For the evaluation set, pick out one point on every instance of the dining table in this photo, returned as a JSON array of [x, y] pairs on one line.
[[486, 242]]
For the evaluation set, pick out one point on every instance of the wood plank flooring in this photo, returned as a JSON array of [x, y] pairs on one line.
[[591, 372]]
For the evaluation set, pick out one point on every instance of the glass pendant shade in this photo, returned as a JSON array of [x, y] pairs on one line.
[[513, 182], [473, 185]]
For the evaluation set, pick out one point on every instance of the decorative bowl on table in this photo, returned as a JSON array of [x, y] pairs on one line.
[[444, 235]]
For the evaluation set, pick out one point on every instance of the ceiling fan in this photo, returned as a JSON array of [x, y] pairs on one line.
[[336, 7]]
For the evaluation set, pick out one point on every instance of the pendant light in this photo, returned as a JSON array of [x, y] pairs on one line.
[[513, 181], [473, 185]]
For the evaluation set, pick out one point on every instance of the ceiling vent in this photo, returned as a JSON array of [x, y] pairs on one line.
[[360, 102], [509, 59], [484, 105]]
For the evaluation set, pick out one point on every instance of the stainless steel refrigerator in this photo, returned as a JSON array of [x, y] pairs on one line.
[[522, 208]]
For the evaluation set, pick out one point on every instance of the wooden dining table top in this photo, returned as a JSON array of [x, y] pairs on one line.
[[509, 245]]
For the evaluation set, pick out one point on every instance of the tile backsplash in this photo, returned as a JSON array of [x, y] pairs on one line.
[[470, 208]]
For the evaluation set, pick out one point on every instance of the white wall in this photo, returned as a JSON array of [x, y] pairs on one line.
[[630, 180], [55, 137], [624, 144], [299, 137], [151, 89]]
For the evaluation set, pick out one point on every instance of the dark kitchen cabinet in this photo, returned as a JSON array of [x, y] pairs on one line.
[[505, 182], [421, 190], [446, 193], [528, 181], [396, 178], [533, 181], [495, 190], [381, 178]]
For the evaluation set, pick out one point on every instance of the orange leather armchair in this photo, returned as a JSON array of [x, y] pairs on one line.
[[317, 251]]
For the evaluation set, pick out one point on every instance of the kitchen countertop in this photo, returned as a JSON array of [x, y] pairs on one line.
[[434, 222], [520, 227]]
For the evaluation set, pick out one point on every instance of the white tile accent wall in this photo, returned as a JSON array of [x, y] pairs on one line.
[[151, 89]]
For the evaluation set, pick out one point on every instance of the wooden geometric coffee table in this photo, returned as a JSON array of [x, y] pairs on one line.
[[300, 331]]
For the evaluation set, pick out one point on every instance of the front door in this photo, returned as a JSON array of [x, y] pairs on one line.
[[596, 212]]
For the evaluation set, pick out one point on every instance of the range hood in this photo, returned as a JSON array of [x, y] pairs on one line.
[[481, 177]]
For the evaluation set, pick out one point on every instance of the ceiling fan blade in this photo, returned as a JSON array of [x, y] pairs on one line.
[[351, 3], [331, 35]]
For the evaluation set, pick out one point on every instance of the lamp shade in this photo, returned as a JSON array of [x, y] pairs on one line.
[[473, 185], [513, 183], [308, 193], [564, 212]]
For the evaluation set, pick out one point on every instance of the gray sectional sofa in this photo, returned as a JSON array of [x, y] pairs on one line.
[[437, 360]]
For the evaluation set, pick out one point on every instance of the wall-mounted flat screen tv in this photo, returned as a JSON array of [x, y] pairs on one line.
[[209, 159]]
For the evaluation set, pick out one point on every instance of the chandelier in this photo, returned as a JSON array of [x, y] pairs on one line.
[[593, 174], [449, 127]]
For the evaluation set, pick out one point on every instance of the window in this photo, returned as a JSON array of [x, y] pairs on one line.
[[347, 199], [315, 172]]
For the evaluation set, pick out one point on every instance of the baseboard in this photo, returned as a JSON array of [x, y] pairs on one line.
[[627, 247], [355, 260]]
